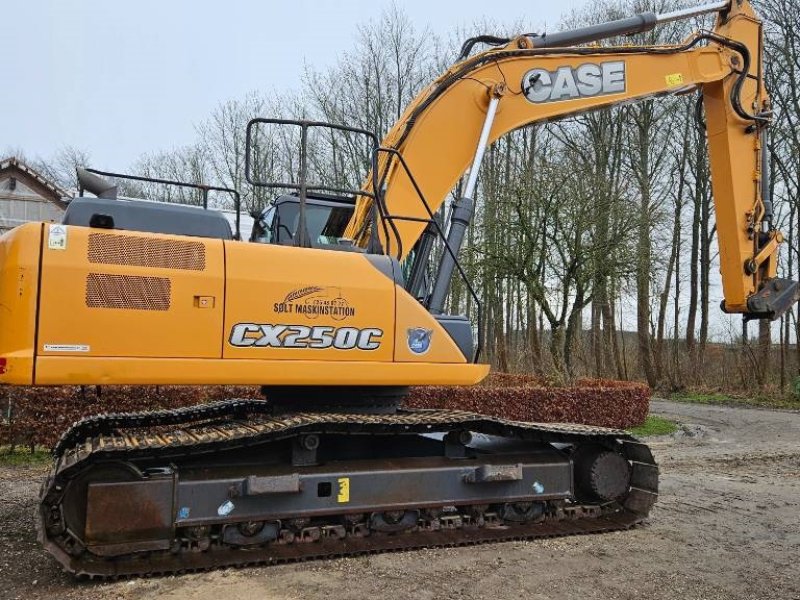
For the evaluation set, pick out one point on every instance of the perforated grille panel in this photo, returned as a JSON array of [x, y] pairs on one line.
[[127, 292], [113, 249]]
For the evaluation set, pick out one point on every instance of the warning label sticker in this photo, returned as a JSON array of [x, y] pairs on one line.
[[57, 240], [66, 348]]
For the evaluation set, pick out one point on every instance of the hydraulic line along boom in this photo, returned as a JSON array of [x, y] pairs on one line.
[[637, 24]]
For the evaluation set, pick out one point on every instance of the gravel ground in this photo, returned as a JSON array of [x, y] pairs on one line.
[[726, 526]]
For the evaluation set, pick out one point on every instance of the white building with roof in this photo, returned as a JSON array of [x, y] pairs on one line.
[[27, 195]]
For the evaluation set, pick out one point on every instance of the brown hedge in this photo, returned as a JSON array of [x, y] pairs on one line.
[[38, 415], [618, 404]]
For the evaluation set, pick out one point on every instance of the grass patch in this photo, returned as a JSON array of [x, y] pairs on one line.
[[764, 400], [24, 458], [654, 425]]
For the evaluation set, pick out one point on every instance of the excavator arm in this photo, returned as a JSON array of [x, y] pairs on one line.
[[536, 79]]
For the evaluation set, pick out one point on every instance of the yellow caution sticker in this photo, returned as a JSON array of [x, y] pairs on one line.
[[344, 490], [674, 79]]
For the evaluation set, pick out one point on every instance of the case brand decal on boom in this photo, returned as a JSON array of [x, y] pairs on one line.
[[568, 83], [245, 335], [315, 301]]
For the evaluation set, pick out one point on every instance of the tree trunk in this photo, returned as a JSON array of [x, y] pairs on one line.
[[694, 252], [644, 250], [764, 347], [557, 348]]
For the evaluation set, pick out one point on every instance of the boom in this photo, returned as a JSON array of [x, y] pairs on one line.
[[531, 81]]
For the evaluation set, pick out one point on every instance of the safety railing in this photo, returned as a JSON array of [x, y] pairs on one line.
[[302, 187], [431, 220], [380, 215]]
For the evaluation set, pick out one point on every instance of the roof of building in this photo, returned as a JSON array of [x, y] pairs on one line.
[[49, 189]]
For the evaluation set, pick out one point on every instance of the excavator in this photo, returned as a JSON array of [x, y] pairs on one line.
[[330, 307]]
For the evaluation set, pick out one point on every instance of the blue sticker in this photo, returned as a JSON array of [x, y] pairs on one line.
[[183, 513], [419, 340]]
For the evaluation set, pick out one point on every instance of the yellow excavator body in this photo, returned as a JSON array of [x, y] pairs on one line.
[[100, 307]]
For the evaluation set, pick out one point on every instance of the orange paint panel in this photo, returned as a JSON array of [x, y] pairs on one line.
[[289, 303], [412, 315], [19, 271], [118, 294], [76, 370]]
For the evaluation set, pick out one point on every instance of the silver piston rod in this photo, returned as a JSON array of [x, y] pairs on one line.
[[637, 24], [462, 213]]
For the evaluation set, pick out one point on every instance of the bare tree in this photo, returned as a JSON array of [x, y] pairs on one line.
[[188, 164], [61, 166]]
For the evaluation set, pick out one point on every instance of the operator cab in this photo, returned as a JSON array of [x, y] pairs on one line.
[[327, 217]]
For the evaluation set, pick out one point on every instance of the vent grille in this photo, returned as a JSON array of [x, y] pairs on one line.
[[111, 249], [127, 292]]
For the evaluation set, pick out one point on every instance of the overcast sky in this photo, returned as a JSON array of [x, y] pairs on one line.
[[118, 78]]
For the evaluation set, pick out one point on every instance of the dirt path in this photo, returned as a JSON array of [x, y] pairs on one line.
[[727, 526]]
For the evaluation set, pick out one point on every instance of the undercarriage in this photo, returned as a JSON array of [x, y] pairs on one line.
[[232, 484]]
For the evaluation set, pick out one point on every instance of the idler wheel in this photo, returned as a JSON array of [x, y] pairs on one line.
[[600, 474]]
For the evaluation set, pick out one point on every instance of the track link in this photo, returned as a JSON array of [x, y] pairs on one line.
[[216, 558]]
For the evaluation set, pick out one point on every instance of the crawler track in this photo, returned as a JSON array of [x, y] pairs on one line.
[[167, 437]]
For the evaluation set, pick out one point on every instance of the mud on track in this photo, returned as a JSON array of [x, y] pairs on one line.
[[727, 526]]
